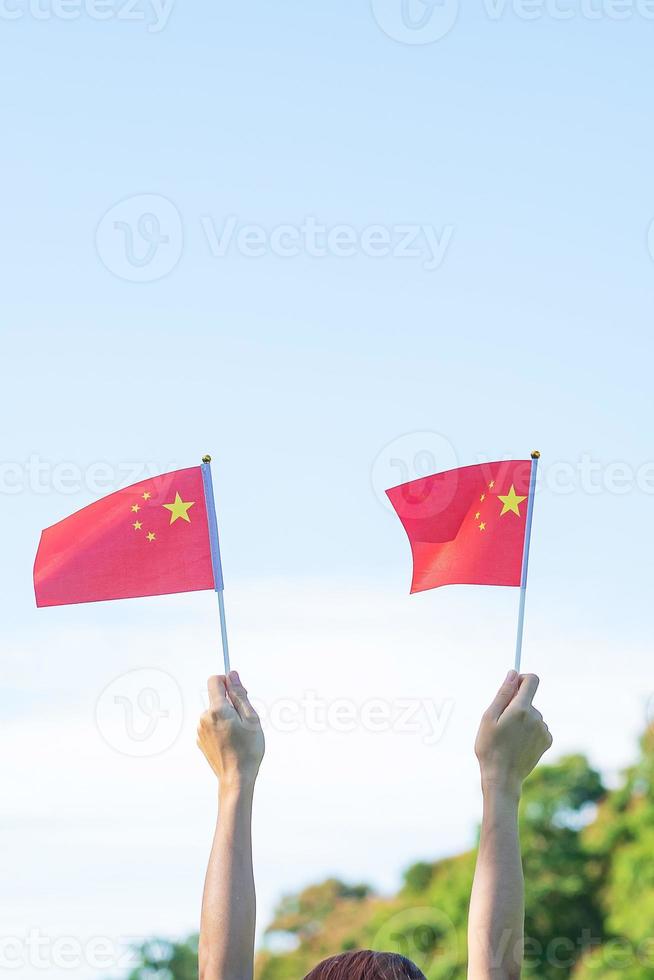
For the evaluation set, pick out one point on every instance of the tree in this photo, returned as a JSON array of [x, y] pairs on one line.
[[418, 877], [562, 875], [589, 869], [163, 959], [623, 835], [303, 914]]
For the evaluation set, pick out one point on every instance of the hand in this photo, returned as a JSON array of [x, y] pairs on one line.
[[512, 736], [230, 734]]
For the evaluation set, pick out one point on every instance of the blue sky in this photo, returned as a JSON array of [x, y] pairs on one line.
[[134, 341]]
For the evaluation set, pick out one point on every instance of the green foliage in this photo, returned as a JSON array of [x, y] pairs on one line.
[[561, 877], [427, 919], [613, 961], [162, 959], [302, 915], [418, 877], [624, 835], [589, 868]]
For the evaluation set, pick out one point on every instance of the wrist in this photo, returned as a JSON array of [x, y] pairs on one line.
[[501, 786], [236, 787]]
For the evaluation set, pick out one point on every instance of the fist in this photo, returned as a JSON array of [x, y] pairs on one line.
[[229, 733], [512, 736]]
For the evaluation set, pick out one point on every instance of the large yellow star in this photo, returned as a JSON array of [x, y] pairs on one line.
[[510, 502], [179, 509]]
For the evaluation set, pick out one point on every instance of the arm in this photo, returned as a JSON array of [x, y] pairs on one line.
[[512, 738], [230, 736]]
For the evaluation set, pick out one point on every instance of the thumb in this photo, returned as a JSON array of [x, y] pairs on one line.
[[505, 695]]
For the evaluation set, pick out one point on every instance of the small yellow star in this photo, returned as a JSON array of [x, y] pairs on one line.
[[477, 516], [483, 496], [491, 484], [135, 508], [510, 502], [482, 526], [179, 509], [137, 525], [150, 536], [147, 495]]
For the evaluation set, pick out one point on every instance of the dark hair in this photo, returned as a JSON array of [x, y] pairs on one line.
[[366, 965]]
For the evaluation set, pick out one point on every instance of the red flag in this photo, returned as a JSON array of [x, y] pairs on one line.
[[149, 539], [466, 526]]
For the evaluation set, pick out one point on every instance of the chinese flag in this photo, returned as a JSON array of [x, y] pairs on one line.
[[149, 539], [466, 526]]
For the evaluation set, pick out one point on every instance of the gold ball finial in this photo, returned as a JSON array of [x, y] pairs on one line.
[[206, 459], [535, 454]]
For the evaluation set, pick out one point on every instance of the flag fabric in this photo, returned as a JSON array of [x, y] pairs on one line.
[[148, 539], [466, 526]]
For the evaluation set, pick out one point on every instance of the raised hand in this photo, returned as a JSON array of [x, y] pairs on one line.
[[512, 736], [229, 733]]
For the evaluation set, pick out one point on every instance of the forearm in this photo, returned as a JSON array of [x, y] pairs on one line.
[[229, 904], [496, 921]]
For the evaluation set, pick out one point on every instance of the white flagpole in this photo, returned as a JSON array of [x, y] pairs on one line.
[[215, 553], [535, 456]]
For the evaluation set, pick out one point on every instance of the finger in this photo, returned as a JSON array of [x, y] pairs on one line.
[[217, 690], [528, 687], [505, 695], [239, 697]]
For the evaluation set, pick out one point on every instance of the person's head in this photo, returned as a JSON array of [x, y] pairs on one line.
[[366, 965]]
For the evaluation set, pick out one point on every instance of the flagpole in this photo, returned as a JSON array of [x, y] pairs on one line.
[[215, 553], [535, 456]]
